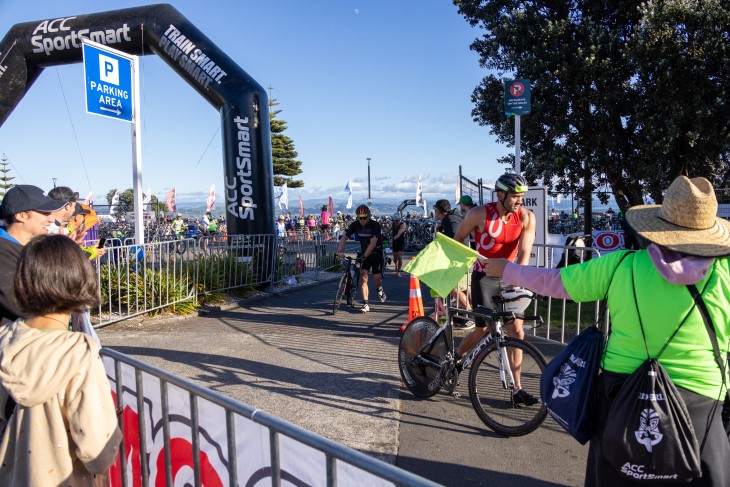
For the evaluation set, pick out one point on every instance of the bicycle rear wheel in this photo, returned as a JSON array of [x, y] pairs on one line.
[[341, 289], [492, 396], [420, 377]]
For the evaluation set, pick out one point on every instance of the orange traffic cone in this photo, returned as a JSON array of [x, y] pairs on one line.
[[415, 303]]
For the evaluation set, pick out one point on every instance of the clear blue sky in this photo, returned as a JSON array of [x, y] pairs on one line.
[[385, 79]]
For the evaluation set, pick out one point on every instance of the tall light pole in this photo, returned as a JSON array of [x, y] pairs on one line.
[[370, 200]]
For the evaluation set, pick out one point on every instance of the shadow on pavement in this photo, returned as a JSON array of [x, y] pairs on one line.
[[446, 474]]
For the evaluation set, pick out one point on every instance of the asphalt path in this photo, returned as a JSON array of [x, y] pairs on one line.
[[337, 375]]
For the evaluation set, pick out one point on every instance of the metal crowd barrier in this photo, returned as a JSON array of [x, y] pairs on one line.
[[561, 256], [234, 261], [176, 432], [136, 280]]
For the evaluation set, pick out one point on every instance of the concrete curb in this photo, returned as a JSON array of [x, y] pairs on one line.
[[260, 295]]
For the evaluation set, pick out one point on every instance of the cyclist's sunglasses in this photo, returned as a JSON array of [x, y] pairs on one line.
[[363, 217]]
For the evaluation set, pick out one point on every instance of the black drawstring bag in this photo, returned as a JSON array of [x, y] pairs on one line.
[[648, 434]]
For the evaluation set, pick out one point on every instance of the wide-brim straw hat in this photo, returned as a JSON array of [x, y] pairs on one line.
[[686, 221]]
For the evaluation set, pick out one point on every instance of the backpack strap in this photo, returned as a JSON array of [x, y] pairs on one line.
[[700, 303], [602, 312]]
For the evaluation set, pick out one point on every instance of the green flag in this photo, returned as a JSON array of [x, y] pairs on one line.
[[442, 264]]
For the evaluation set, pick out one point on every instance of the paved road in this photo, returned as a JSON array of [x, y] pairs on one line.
[[338, 376]]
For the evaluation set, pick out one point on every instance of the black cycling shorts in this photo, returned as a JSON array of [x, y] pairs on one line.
[[374, 262]]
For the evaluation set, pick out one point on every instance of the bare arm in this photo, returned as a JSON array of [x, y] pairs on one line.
[[527, 238], [341, 245]]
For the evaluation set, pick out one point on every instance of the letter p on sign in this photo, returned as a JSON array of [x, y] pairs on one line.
[[108, 69]]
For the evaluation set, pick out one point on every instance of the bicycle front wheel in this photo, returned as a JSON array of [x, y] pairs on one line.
[[491, 387], [181, 247], [416, 360], [341, 288]]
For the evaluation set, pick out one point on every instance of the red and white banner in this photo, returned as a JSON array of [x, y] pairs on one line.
[[300, 464], [210, 201], [301, 206], [170, 200], [608, 241], [332, 207]]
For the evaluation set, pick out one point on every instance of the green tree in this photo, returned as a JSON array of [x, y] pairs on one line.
[[126, 198], [282, 151], [5, 183], [625, 95]]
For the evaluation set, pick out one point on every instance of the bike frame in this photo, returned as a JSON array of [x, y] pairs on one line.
[[495, 335]]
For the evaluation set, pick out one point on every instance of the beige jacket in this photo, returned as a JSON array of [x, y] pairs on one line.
[[64, 428]]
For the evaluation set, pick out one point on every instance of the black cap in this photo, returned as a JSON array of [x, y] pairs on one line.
[[25, 197]]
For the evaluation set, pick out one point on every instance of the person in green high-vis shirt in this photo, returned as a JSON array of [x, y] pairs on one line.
[[682, 242]]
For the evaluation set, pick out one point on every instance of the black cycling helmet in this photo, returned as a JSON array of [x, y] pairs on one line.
[[511, 183], [362, 210]]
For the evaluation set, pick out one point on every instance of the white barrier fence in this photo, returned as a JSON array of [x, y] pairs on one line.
[[176, 432]]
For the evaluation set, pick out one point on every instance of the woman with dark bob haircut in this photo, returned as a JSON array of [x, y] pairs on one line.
[[63, 427]]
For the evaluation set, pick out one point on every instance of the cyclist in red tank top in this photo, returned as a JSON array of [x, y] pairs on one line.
[[502, 229]]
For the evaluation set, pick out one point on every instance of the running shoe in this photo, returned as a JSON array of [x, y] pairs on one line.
[[524, 397], [464, 325], [365, 308], [381, 295]]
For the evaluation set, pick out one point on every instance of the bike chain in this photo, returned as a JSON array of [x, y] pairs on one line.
[[449, 375]]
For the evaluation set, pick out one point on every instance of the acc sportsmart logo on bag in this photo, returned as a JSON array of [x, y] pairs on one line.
[[637, 472]]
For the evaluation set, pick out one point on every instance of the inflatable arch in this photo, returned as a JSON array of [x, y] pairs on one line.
[[30, 47]]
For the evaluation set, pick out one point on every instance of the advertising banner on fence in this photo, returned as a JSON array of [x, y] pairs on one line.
[[608, 241], [300, 464]]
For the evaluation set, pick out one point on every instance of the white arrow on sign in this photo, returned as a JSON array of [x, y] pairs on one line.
[[117, 111]]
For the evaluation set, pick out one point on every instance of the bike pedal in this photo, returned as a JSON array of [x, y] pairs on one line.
[[456, 395]]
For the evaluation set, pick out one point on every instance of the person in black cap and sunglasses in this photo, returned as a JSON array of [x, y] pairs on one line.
[[370, 235], [26, 212]]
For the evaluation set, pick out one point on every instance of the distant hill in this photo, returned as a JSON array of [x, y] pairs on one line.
[[377, 208]]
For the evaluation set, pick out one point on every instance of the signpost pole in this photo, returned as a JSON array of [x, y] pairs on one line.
[[517, 144], [137, 155]]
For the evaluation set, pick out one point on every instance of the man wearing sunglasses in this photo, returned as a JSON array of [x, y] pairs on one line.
[[371, 246]]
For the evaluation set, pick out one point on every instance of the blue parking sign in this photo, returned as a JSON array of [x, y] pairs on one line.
[[108, 80]]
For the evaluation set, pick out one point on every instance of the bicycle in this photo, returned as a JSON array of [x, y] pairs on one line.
[[348, 283], [426, 362]]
